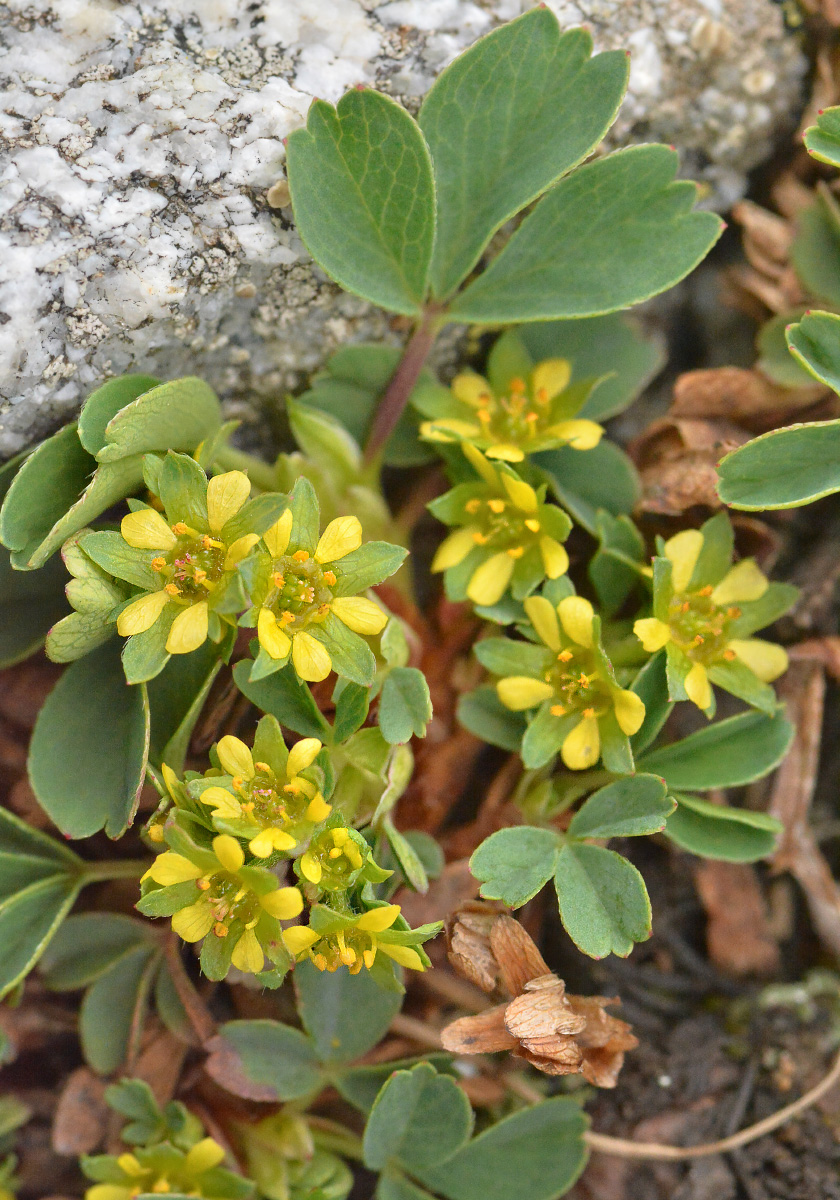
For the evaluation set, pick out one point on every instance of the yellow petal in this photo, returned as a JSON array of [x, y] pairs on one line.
[[142, 613], [269, 840], [302, 755], [448, 430], [576, 616], [582, 747], [490, 580], [299, 939], [360, 614], [170, 779], [543, 616], [189, 629], [147, 530], [697, 686], [629, 711], [652, 633], [505, 452], [284, 904], [519, 692], [235, 757], [580, 434], [228, 851], [225, 496], [248, 954], [170, 867], [318, 809], [342, 536], [471, 389], [683, 550], [102, 1191], [310, 867], [222, 802], [480, 463], [277, 537], [271, 637], [520, 492], [195, 922], [130, 1165], [406, 956], [745, 581], [377, 919], [554, 556], [202, 1156], [551, 376], [765, 659], [240, 549], [453, 549], [310, 658]]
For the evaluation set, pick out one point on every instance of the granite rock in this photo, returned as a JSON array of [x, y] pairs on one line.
[[144, 215]]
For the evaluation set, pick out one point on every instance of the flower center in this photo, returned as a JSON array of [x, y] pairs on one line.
[[577, 685], [351, 948], [229, 901], [500, 525], [513, 418], [300, 590], [193, 568], [268, 804], [699, 626], [338, 855]]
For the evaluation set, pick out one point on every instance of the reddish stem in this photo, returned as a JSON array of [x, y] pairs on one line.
[[393, 402]]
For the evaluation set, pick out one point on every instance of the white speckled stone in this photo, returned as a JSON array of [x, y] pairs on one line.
[[141, 140]]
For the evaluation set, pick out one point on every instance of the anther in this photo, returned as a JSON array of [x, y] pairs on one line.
[[172, 589], [516, 551], [158, 564], [496, 506], [329, 578], [300, 556]]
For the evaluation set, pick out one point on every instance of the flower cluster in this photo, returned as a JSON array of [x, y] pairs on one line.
[[568, 682], [336, 938], [164, 1169], [511, 415], [704, 613], [505, 535]]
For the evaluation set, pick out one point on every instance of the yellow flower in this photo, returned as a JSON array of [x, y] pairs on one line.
[[162, 1170], [335, 859], [354, 943]]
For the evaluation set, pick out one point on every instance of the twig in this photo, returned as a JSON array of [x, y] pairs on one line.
[[624, 1147], [195, 1008], [391, 406]]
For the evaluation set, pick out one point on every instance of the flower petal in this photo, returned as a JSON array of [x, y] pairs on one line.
[[629, 711], [360, 614], [652, 633], [142, 613], [299, 939], [683, 550], [310, 867], [228, 851], [453, 549], [277, 537], [582, 746], [550, 376], [554, 556], [240, 549], [377, 919], [520, 492], [147, 530], [342, 536], [505, 452], [765, 659], [302, 755], [576, 616], [235, 757], [471, 389], [272, 638], [189, 629], [202, 1156], [543, 616], [745, 581], [194, 922], [697, 686], [580, 434], [480, 464], [269, 840], [225, 496], [310, 658], [222, 802], [170, 867], [448, 429], [318, 809], [518, 692], [490, 580], [284, 904], [406, 956], [248, 953], [109, 1191]]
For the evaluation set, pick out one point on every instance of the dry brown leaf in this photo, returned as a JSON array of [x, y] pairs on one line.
[[483, 1033], [81, 1117], [518, 957], [738, 937], [468, 943], [745, 397], [542, 1011]]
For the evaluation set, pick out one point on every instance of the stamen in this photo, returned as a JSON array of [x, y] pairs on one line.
[[172, 589], [557, 710], [496, 506], [220, 929], [533, 524], [300, 556], [158, 564], [279, 580], [565, 656], [516, 551], [472, 507], [706, 591], [329, 578]]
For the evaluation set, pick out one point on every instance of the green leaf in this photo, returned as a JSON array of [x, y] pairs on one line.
[[482, 713], [361, 1085], [112, 1007], [603, 901], [774, 357], [31, 602], [613, 345], [87, 758], [823, 139], [814, 342], [87, 945], [407, 859], [351, 709], [264, 1060], [717, 831], [652, 685], [419, 1118], [587, 480], [617, 231], [504, 656], [345, 1015], [176, 698], [609, 568], [783, 469], [397, 1187], [405, 706], [815, 250], [513, 864], [726, 754], [535, 1154], [505, 120], [173, 416], [363, 196], [627, 808], [284, 697], [370, 564], [103, 405]]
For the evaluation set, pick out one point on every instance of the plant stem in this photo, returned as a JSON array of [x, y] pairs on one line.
[[261, 474], [197, 1011], [114, 868], [393, 402]]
